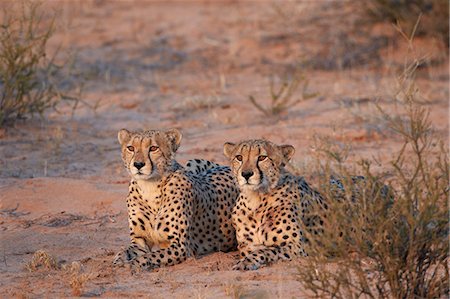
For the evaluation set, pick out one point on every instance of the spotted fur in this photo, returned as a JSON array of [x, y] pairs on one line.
[[199, 166], [273, 210], [173, 213]]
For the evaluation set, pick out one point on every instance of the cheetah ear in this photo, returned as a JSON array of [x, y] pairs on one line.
[[228, 149], [174, 137], [287, 151], [124, 136]]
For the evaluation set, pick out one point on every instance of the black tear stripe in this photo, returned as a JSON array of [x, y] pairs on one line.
[[151, 163], [261, 174], [149, 158]]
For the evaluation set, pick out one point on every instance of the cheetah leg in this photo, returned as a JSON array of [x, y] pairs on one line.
[[255, 259], [173, 255]]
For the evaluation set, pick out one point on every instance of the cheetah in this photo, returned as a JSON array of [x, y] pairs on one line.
[[173, 212], [199, 166], [273, 208]]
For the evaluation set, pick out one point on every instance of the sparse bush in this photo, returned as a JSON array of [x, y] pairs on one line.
[[387, 244], [281, 98], [41, 259], [27, 73], [234, 290], [77, 277]]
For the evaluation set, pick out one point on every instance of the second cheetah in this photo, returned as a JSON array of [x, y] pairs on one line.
[[273, 209]]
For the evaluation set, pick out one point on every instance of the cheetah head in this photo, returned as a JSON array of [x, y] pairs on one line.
[[257, 164], [148, 155]]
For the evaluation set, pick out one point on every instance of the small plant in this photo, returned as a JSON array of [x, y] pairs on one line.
[[41, 259], [234, 290], [281, 98], [387, 242], [26, 71], [77, 278]]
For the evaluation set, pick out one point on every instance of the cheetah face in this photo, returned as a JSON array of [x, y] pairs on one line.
[[148, 155], [257, 164]]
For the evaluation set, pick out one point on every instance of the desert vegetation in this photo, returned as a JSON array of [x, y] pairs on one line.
[[281, 97], [388, 233], [28, 71]]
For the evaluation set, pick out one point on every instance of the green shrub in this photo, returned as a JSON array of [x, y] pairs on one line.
[[26, 72]]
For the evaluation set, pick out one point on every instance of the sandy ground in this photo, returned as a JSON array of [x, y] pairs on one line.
[[191, 66]]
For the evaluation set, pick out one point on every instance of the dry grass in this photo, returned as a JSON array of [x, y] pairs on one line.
[[42, 260], [77, 277], [284, 97], [234, 290], [73, 272]]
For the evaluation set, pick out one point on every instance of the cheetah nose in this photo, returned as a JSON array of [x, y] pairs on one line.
[[247, 174], [139, 165]]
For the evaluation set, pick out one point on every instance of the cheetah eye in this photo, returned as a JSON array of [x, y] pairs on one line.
[[262, 158], [130, 148], [153, 148], [239, 158]]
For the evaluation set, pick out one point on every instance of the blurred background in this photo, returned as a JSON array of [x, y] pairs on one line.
[[218, 70]]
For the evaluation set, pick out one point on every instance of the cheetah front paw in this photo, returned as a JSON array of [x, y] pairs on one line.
[[140, 263], [246, 264], [119, 259], [128, 255]]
